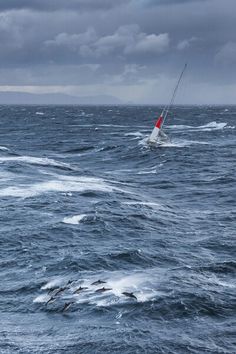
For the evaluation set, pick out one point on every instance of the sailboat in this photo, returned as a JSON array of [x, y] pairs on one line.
[[157, 136]]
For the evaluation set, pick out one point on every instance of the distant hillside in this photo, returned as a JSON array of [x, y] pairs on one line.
[[8, 97]]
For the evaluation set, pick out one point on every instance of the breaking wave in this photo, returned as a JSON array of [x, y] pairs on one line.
[[74, 220], [207, 127], [42, 161], [64, 184]]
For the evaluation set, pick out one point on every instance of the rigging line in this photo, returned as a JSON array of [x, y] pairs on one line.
[[166, 110]]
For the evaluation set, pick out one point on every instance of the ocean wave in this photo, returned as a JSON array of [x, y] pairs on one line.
[[212, 126], [43, 161], [79, 149], [149, 204], [135, 134], [53, 283], [141, 283], [207, 127], [173, 143], [180, 143], [224, 267], [41, 298], [64, 184], [4, 148], [152, 170]]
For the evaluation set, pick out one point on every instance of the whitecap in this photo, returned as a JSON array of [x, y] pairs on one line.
[[41, 298], [152, 170], [64, 184], [179, 143], [142, 283], [136, 134], [138, 283], [213, 125], [40, 113], [173, 143], [206, 127], [3, 148], [180, 126], [74, 220], [34, 160], [52, 283]]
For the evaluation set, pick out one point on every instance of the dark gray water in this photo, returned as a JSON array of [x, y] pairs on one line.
[[84, 198]]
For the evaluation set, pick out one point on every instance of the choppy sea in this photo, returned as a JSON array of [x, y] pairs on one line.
[[84, 198]]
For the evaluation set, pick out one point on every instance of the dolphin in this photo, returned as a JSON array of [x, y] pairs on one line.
[[81, 288], [101, 290], [53, 289], [98, 282], [70, 282], [51, 300], [129, 295], [67, 305], [60, 290]]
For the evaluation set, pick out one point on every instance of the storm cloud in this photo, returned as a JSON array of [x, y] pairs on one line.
[[131, 49], [126, 40]]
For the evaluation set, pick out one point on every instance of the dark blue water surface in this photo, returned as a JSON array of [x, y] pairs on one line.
[[83, 197]]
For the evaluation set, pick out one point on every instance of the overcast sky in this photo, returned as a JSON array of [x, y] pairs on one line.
[[131, 49]]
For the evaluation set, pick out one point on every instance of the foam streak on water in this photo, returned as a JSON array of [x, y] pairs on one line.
[[83, 197]]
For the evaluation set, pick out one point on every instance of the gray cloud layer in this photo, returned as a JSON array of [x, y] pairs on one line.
[[132, 48], [166, 2], [56, 5]]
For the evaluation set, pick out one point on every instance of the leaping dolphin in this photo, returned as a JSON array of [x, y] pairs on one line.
[[53, 289], [51, 300], [98, 282], [81, 288], [67, 305], [60, 290], [70, 282], [131, 295], [101, 290]]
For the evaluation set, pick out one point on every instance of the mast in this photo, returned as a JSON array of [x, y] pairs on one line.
[[174, 93], [160, 121]]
